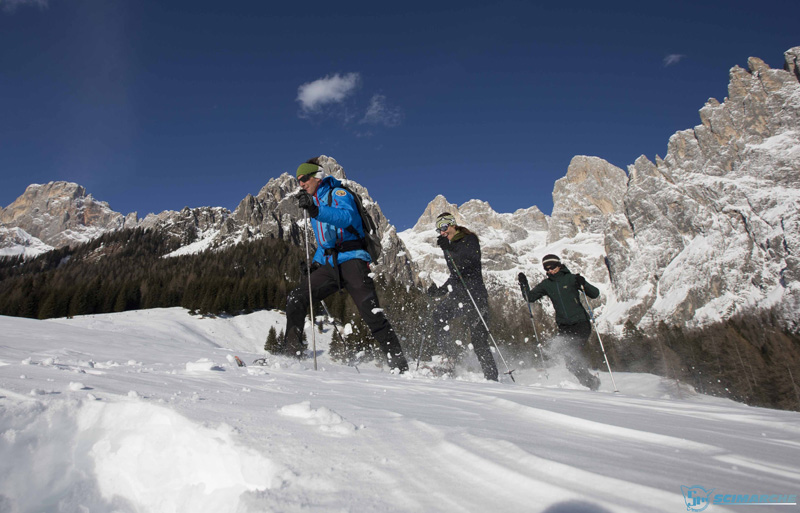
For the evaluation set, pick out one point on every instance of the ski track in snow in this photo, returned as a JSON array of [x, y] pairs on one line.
[[146, 412]]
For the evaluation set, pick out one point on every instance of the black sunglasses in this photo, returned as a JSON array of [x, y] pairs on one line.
[[443, 228], [305, 178], [550, 267]]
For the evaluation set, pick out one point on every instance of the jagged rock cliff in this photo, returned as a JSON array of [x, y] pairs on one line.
[[715, 225], [507, 242], [273, 213], [712, 229], [59, 214], [583, 201]]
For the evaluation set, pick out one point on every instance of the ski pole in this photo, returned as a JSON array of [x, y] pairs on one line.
[[541, 350], [336, 328], [419, 355], [605, 357], [310, 298], [464, 283], [533, 322]]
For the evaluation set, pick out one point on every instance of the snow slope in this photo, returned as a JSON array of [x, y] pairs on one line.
[[16, 241], [145, 412]]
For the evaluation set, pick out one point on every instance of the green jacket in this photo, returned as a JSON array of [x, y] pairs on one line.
[[563, 291]]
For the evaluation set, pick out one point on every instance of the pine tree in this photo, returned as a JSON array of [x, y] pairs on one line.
[[271, 346]]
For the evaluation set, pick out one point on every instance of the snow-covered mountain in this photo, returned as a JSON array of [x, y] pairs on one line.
[[715, 226], [710, 230], [146, 411], [16, 241], [62, 214], [272, 213], [54, 215]]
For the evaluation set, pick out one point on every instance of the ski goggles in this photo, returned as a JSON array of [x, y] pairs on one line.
[[445, 221], [305, 178]]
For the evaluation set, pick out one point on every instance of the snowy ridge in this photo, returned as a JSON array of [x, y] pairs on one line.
[[58, 214], [711, 230], [103, 413], [16, 242], [510, 243]]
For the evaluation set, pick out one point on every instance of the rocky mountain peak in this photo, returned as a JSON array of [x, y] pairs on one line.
[[49, 211], [591, 191], [507, 239], [439, 204], [711, 229], [274, 213], [716, 223], [792, 61]]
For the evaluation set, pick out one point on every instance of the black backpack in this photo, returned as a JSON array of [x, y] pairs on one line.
[[371, 242]]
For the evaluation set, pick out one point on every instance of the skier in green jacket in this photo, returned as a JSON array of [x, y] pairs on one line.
[[574, 324]]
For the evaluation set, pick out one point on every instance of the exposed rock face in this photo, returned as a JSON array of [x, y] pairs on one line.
[[716, 224], [712, 228], [60, 214], [274, 213], [507, 241], [583, 201], [212, 225], [16, 241]]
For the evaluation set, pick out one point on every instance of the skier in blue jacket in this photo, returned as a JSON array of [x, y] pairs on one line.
[[340, 261]]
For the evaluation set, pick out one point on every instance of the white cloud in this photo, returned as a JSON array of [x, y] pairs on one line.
[[11, 5], [379, 113], [334, 97], [672, 59], [324, 91]]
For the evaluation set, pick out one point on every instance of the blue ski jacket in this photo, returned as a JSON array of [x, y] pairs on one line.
[[330, 225]]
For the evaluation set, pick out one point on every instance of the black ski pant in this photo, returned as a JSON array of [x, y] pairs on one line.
[[577, 335], [456, 305], [354, 278]]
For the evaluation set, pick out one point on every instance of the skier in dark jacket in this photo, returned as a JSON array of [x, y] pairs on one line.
[[563, 289], [462, 249], [339, 262]]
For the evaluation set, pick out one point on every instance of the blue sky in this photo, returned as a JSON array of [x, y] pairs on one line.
[[156, 105]]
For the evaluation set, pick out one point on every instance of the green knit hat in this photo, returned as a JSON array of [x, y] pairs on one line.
[[307, 169]]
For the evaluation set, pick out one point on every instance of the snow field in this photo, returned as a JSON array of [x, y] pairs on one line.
[[110, 413], [126, 454]]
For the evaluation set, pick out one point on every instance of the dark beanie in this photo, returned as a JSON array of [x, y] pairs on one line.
[[550, 260]]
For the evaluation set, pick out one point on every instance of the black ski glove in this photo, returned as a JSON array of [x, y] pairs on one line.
[[305, 271], [580, 280], [434, 291], [443, 242], [523, 281], [306, 202]]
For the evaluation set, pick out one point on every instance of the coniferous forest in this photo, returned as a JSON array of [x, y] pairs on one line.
[[749, 358], [126, 270]]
